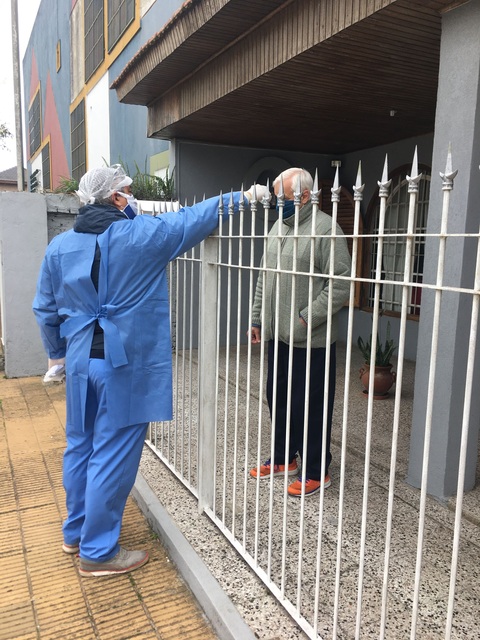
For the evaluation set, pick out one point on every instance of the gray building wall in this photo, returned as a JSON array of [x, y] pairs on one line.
[[23, 238]]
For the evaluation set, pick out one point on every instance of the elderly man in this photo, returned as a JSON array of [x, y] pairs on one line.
[[283, 255], [102, 303]]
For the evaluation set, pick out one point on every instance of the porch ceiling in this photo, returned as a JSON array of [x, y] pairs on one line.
[[334, 96]]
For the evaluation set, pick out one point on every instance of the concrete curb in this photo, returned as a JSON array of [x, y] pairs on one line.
[[222, 614]]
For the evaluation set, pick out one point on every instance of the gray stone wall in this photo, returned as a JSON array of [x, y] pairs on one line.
[[61, 213]]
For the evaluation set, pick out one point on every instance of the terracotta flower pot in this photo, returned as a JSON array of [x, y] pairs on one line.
[[383, 380]]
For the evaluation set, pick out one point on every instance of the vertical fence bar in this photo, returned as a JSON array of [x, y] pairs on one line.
[[262, 274], [315, 194], [181, 419], [358, 197], [447, 186], [413, 182], [463, 444], [384, 186], [217, 338], [237, 354], [279, 238], [429, 411], [173, 323], [293, 317], [249, 367], [227, 361], [335, 191], [190, 367]]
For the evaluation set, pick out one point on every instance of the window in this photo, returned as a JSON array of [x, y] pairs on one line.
[[395, 243], [120, 14], [46, 179], [77, 128], [94, 36], [34, 121]]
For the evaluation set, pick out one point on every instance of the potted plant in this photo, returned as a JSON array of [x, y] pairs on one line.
[[384, 377], [153, 193]]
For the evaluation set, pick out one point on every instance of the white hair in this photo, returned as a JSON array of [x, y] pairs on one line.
[[306, 180]]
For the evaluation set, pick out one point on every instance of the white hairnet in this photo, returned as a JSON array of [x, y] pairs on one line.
[[98, 184]]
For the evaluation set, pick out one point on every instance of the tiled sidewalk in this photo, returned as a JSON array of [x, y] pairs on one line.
[[42, 596]]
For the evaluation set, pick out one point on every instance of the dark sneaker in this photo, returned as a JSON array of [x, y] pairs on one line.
[[278, 469], [311, 487], [123, 562], [70, 548]]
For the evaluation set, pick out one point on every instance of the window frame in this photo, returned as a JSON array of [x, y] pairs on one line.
[[46, 167], [78, 147], [34, 133], [94, 36], [399, 182], [112, 13]]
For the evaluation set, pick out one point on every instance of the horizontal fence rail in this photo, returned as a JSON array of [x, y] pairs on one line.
[[357, 559]]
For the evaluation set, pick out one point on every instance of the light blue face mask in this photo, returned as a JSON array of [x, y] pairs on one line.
[[288, 208]]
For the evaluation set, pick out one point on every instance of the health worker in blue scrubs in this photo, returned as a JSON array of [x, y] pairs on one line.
[[102, 307]]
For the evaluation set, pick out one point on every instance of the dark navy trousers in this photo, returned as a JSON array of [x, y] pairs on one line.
[[297, 414]]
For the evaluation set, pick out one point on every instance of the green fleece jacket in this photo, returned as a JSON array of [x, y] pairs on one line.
[[276, 272]]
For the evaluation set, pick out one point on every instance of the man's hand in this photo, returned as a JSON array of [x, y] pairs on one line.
[[255, 335], [261, 192]]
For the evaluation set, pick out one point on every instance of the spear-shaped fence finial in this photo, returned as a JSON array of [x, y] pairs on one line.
[[449, 175], [358, 186], [414, 179], [336, 187], [281, 193], [385, 183], [267, 197], [316, 190], [297, 190]]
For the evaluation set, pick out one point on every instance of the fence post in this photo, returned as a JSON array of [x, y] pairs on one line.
[[207, 372]]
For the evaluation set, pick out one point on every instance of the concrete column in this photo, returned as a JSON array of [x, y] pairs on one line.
[[458, 122], [23, 238]]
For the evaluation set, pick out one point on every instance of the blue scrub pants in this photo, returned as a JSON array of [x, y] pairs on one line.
[[99, 468]]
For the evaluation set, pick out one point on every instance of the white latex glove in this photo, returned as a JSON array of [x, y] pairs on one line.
[[56, 371], [261, 192]]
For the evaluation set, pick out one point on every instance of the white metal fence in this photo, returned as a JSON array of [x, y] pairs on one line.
[[359, 559]]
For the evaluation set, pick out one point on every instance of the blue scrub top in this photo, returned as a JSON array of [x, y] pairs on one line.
[[131, 306]]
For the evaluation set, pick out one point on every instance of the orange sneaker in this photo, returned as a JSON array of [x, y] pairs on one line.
[[278, 469], [311, 487]]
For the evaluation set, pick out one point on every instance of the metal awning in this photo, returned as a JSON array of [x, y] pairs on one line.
[[310, 75]]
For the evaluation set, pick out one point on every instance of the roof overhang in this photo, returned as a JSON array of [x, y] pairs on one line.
[[311, 75]]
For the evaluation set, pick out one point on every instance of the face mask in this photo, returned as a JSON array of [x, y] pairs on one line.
[[131, 210], [288, 208]]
